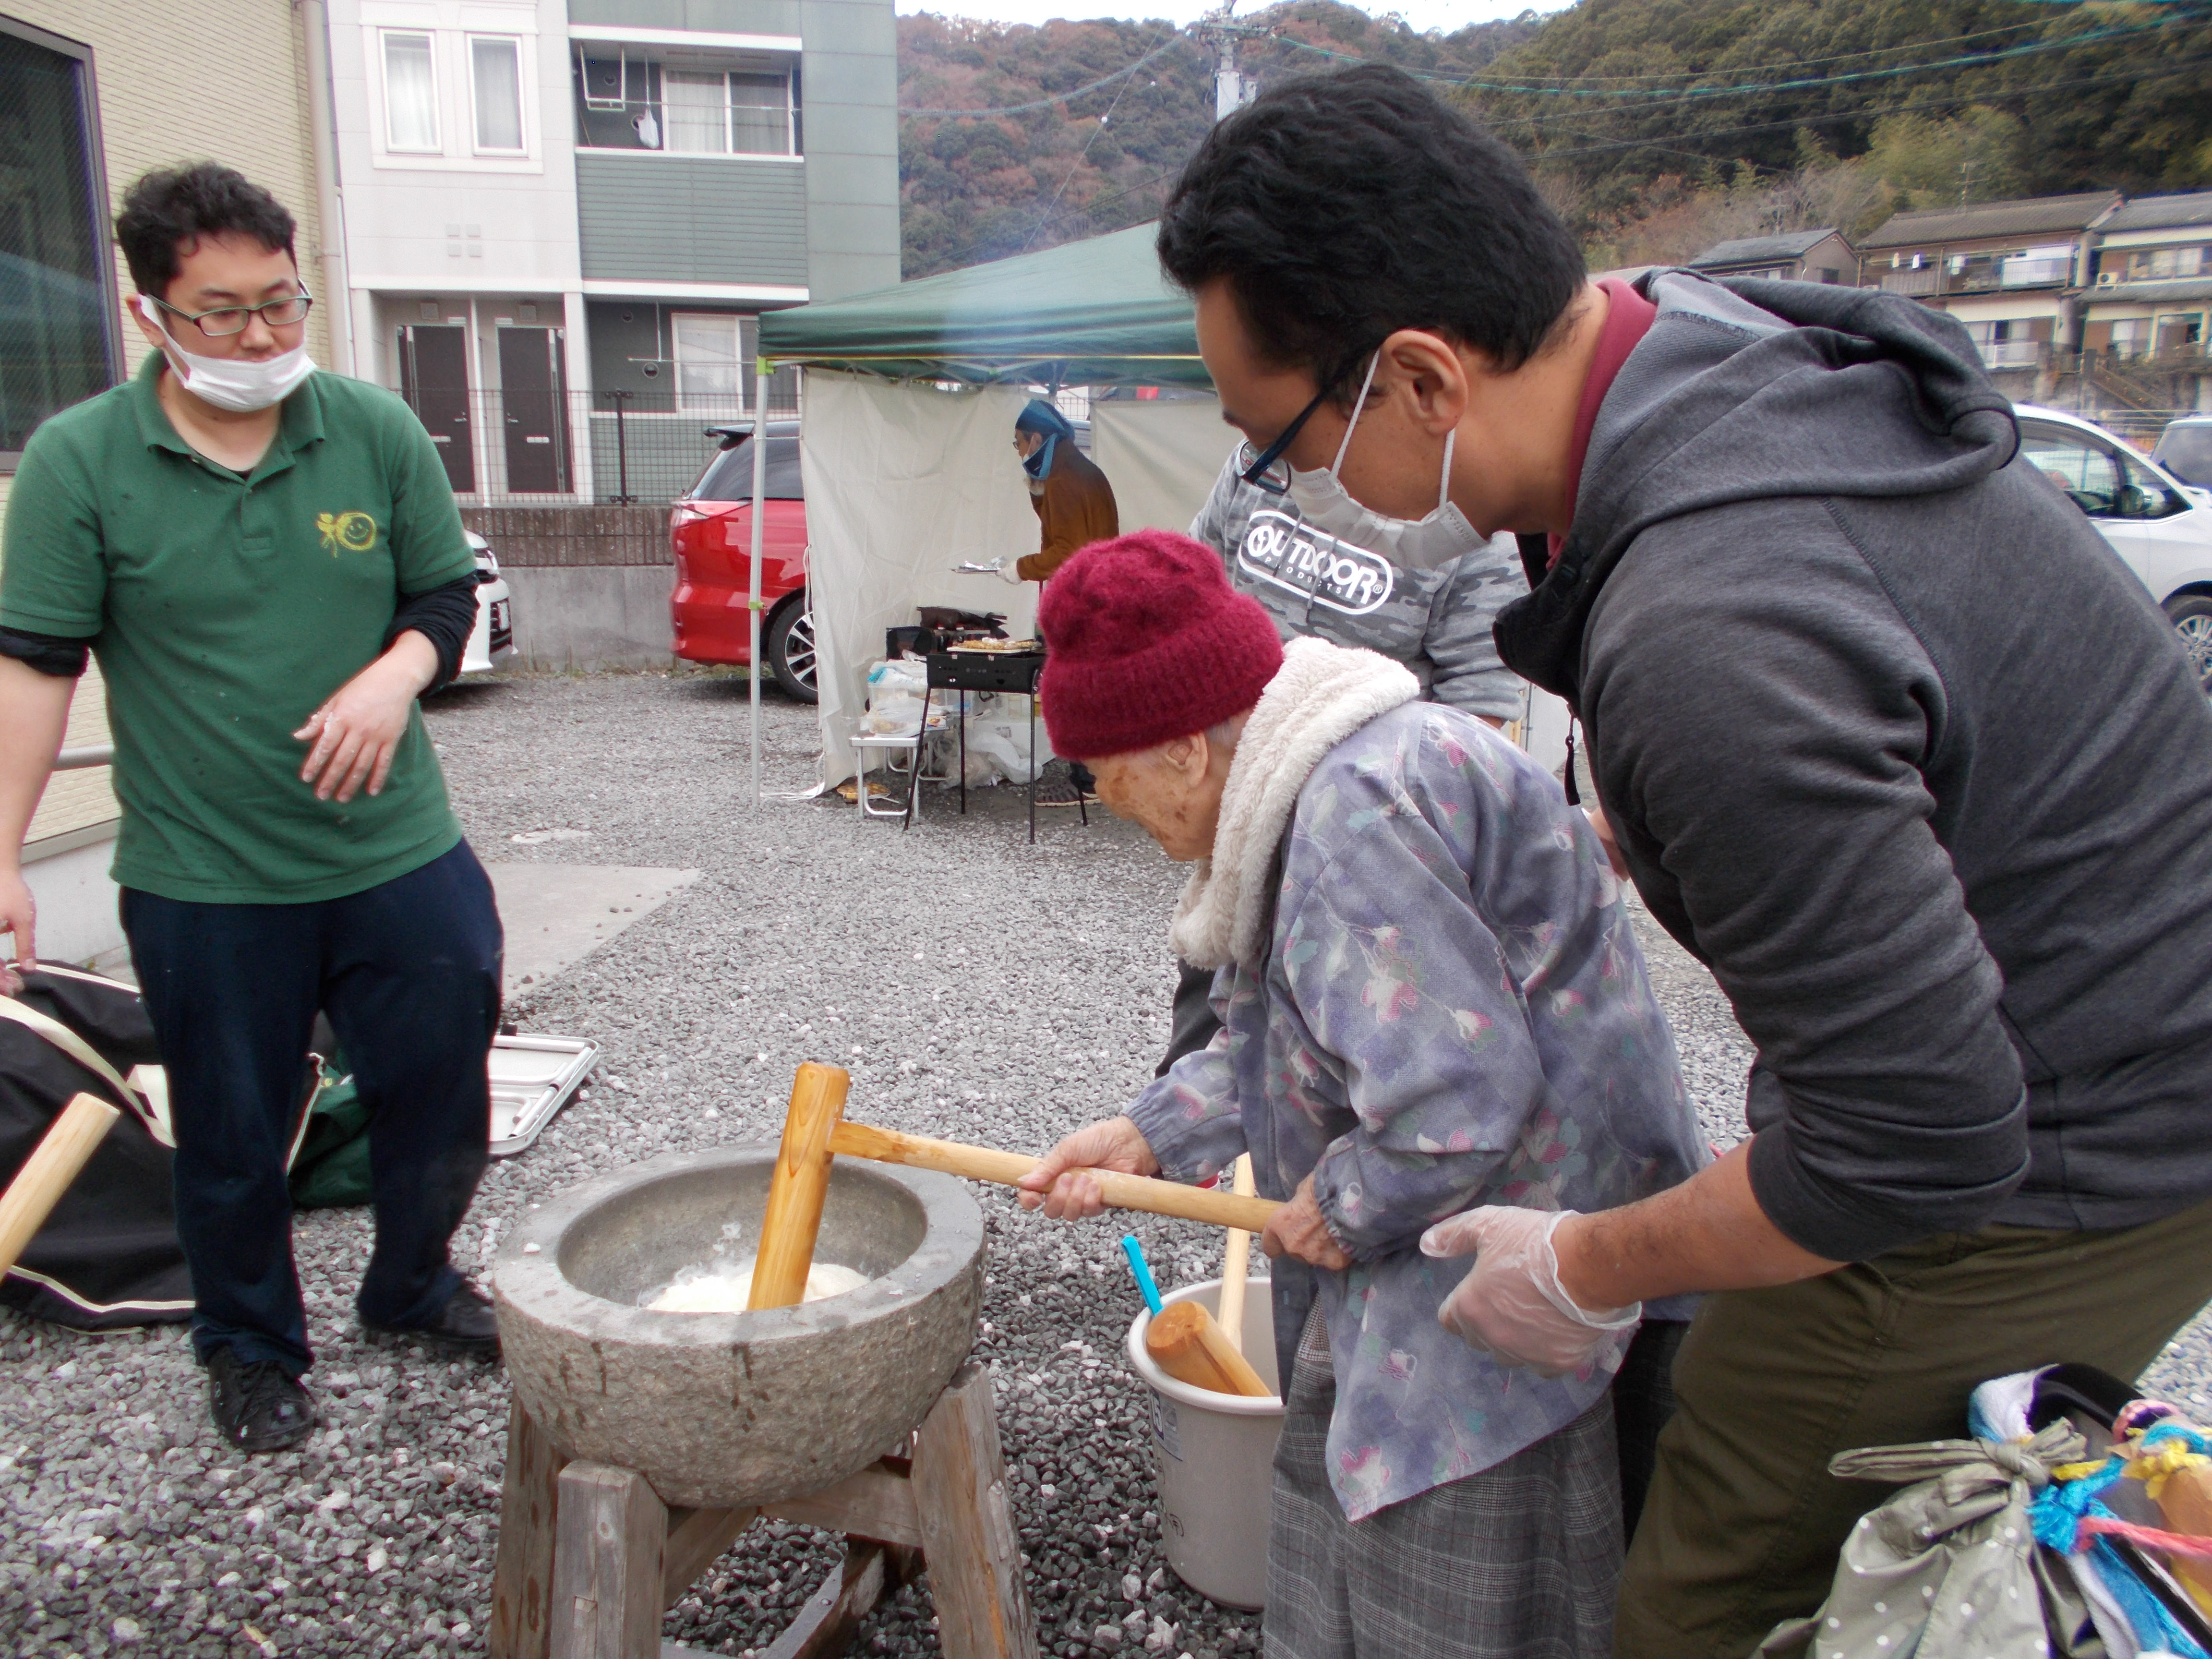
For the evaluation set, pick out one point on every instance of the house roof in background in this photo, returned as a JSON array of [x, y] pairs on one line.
[[2162, 212], [1747, 250], [2025, 217], [2158, 293]]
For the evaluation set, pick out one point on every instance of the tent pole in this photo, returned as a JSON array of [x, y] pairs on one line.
[[753, 577]]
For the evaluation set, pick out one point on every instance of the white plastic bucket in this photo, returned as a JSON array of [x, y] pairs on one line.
[[1216, 1454]]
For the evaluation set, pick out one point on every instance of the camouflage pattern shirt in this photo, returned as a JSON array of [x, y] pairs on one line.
[[1434, 622]]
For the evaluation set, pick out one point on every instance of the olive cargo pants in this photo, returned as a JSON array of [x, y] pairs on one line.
[[1743, 1523]]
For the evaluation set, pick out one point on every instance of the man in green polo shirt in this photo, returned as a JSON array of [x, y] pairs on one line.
[[268, 564]]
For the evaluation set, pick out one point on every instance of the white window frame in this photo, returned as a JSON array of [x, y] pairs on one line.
[[521, 92], [789, 70], [790, 149], [429, 37], [737, 321]]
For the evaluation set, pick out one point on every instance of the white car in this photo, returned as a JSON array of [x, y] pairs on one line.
[[491, 641], [2153, 523]]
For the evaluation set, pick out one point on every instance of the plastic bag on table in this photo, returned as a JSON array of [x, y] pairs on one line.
[[896, 693]]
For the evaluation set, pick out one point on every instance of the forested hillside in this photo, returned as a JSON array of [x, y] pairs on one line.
[[1657, 126], [981, 188], [1660, 124]]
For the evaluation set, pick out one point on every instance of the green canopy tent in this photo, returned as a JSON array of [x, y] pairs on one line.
[[1098, 313], [907, 419]]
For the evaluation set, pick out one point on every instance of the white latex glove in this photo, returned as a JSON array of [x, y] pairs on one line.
[[1008, 573], [1512, 1305]]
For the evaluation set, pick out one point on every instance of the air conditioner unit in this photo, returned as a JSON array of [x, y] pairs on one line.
[[2108, 279]]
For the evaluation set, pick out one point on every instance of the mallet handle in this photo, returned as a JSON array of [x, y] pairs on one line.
[[797, 1187], [1235, 1263], [1123, 1191], [46, 1174]]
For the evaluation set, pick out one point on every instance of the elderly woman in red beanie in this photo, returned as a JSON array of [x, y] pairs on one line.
[[1432, 1000]]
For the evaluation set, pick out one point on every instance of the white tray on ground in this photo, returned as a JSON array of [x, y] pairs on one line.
[[531, 1078]]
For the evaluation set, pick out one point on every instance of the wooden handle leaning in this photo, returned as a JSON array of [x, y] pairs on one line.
[[797, 1189], [1187, 1343], [1123, 1191], [2185, 1501], [1236, 1262], [46, 1174]]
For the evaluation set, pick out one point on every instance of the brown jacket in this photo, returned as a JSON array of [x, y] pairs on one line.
[[1076, 509]]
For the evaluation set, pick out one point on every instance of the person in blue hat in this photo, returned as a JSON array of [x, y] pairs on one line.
[[1074, 503]]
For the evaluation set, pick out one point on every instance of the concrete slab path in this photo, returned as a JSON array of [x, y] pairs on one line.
[[557, 914]]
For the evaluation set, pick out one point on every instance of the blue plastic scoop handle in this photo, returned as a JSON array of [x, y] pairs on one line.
[[1136, 1252]]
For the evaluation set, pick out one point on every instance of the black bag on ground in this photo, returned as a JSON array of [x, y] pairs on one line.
[[108, 1255]]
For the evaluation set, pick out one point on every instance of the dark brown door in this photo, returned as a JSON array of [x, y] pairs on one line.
[[434, 378], [534, 411]]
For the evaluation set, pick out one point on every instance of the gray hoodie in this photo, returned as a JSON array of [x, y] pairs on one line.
[[1895, 744]]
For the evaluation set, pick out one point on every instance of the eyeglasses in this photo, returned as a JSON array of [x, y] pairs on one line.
[[1261, 471], [227, 320]]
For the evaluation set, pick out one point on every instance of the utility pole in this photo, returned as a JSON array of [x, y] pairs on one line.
[[1232, 90]]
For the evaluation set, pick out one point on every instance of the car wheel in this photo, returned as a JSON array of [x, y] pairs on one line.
[[790, 648], [2193, 620]]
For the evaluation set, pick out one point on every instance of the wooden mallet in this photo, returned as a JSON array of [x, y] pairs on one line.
[[814, 1132], [46, 1176]]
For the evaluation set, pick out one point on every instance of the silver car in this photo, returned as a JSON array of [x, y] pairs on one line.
[[491, 641]]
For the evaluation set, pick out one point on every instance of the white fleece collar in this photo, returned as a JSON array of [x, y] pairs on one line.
[[1320, 695]]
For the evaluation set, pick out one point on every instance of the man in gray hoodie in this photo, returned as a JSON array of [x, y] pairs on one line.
[[1887, 736]]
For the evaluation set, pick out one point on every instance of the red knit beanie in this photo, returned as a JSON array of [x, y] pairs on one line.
[[1147, 643]]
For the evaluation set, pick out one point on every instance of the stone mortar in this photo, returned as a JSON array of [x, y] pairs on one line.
[[731, 1410]]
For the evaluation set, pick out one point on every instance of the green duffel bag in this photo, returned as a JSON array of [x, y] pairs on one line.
[[330, 1163]]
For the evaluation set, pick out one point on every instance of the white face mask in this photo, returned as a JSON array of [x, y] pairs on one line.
[[240, 385], [1424, 543]]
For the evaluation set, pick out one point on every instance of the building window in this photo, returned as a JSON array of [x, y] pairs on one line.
[[2164, 264], [760, 114], [689, 109], [55, 288], [698, 108], [495, 83], [411, 93], [709, 361]]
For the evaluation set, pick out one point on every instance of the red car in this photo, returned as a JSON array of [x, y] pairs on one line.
[[711, 530]]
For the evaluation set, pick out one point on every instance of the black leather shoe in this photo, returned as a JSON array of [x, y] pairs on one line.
[[465, 1324], [256, 1404]]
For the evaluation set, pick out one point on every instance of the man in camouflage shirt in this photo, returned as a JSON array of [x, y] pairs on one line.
[[1320, 586], [1314, 585]]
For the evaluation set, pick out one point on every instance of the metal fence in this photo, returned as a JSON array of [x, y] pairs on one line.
[[551, 448]]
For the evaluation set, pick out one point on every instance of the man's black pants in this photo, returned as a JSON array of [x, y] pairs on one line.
[[409, 973]]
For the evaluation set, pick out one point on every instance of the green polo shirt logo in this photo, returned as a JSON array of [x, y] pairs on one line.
[[354, 532]]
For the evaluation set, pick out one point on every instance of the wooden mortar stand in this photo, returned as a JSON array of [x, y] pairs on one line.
[[590, 1556]]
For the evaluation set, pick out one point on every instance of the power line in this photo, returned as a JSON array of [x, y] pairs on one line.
[[1076, 166], [1057, 98], [1655, 98], [2177, 67]]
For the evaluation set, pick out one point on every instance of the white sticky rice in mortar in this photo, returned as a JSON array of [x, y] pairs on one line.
[[727, 1287]]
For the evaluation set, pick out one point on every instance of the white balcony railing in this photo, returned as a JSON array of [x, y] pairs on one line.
[[2032, 273], [2009, 354]]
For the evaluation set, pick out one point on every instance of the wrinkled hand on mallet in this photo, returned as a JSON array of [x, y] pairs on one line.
[[1065, 1187]]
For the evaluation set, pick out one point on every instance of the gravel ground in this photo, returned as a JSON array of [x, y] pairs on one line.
[[976, 988]]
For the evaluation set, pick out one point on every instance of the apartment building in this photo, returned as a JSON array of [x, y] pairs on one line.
[[2152, 280], [93, 94], [2002, 268], [564, 218]]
